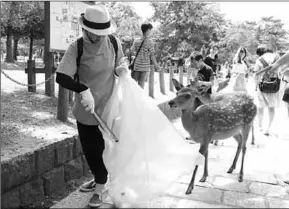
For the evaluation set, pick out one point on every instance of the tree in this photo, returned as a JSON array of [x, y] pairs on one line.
[[10, 18], [21, 20], [250, 34], [34, 27], [272, 32], [187, 25], [128, 22]]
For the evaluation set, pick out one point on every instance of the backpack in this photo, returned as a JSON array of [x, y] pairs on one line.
[[270, 82], [80, 52]]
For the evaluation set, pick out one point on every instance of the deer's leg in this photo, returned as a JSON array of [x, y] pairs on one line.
[[191, 185], [239, 140], [205, 175], [245, 134], [203, 150], [244, 148]]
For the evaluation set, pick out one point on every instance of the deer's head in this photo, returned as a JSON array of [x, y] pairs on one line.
[[185, 96]]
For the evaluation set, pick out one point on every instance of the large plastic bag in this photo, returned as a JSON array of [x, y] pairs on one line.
[[150, 155]]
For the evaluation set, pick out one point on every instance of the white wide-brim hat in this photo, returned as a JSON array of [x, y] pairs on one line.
[[96, 20]]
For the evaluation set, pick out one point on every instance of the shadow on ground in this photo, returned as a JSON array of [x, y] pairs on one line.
[[28, 120]]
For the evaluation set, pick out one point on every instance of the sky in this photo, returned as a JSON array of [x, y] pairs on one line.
[[237, 11]]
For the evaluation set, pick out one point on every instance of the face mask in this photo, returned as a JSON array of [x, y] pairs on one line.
[[92, 37]]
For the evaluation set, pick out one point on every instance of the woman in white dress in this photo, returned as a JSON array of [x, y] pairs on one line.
[[265, 100], [240, 68]]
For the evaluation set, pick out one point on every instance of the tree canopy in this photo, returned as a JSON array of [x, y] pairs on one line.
[[181, 27]]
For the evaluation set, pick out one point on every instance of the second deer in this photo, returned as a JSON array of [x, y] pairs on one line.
[[225, 116]]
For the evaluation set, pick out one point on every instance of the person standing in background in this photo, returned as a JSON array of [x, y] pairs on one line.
[[146, 55]]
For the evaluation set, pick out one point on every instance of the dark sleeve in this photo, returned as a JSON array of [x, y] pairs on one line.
[[211, 74], [67, 82], [209, 61]]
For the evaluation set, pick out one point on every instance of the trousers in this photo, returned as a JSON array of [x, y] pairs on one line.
[[92, 143]]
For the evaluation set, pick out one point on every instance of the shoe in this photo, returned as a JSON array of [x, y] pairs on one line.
[[88, 186], [95, 201]]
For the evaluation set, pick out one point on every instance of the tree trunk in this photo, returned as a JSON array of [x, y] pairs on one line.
[[15, 48], [9, 51], [31, 46]]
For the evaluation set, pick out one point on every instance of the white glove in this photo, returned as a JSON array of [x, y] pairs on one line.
[[87, 100], [122, 70]]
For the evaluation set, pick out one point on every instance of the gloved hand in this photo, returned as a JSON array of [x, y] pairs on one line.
[[87, 100], [122, 70]]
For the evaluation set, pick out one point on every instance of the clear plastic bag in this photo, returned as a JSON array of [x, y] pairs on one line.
[[150, 155]]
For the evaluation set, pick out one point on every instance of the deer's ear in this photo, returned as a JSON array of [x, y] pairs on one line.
[[177, 84]]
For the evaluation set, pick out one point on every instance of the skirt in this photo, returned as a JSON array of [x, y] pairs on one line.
[[270, 100]]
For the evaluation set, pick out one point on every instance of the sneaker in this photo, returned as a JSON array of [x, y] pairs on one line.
[[95, 201], [88, 186]]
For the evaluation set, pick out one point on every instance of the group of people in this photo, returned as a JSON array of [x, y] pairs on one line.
[[239, 80], [100, 64]]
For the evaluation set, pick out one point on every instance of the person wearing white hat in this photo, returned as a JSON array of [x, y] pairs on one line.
[[96, 72]]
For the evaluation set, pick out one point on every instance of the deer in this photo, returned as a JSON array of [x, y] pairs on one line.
[[207, 118], [221, 85]]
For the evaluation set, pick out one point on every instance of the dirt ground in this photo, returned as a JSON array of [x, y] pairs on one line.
[[28, 120]]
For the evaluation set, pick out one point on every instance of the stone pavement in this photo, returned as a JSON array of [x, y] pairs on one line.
[[266, 164]]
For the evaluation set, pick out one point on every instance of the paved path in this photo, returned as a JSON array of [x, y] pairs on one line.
[[266, 164]]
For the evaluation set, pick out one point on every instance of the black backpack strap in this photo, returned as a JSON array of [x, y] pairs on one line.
[[115, 46], [79, 54]]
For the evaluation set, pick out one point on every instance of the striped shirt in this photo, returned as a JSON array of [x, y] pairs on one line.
[[143, 59]]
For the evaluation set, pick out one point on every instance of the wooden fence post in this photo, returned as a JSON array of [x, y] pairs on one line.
[[181, 69], [31, 75], [62, 108], [171, 76], [152, 81], [162, 80], [49, 85], [189, 70]]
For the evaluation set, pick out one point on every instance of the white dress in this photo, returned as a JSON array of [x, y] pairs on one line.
[[263, 100], [237, 81]]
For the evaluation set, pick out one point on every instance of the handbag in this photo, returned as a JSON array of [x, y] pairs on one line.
[[270, 82], [131, 66]]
